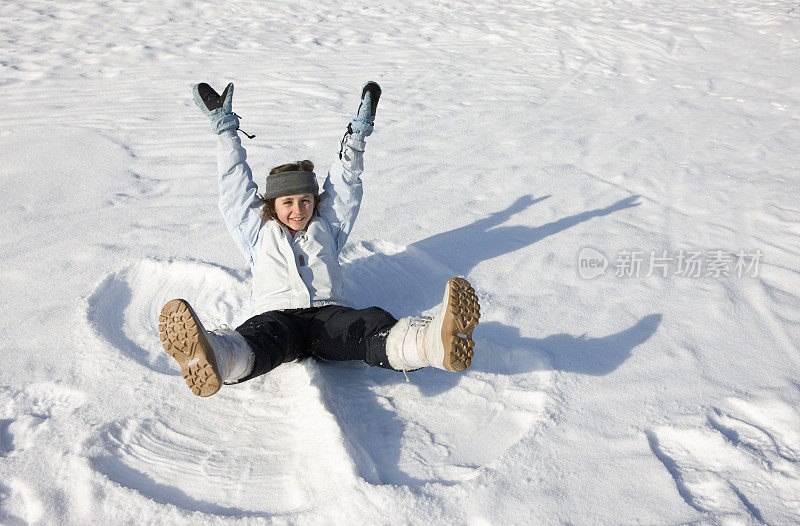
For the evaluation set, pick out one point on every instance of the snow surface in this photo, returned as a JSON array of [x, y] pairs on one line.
[[510, 136]]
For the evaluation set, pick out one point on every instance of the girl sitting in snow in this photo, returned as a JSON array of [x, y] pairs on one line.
[[292, 236]]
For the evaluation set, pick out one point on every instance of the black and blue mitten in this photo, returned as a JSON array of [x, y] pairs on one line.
[[365, 117], [218, 108], [364, 122]]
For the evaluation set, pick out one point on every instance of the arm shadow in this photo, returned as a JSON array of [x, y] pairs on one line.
[[464, 248], [411, 281]]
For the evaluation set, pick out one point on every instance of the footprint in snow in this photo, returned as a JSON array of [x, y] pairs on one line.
[[19, 505], [745, 463], [20, 432], [49, 399], [28, 413]]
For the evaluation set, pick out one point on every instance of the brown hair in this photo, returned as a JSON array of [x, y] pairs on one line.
[[268, 205]]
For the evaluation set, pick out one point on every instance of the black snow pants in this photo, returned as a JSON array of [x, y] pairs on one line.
[[332, 332]]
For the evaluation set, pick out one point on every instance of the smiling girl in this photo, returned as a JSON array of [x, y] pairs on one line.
[[291, 236]]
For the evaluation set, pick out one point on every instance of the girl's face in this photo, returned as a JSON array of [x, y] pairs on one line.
[[295, 211]]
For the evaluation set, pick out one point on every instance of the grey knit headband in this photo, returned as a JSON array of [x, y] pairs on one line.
[[290, 183]]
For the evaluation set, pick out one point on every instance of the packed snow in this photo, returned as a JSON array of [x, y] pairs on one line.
[[617, 179]]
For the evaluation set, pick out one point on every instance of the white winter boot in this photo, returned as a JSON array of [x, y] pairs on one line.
[[207, 359], [444, 341]]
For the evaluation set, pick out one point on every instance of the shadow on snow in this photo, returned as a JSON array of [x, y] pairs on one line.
[[412, 281]]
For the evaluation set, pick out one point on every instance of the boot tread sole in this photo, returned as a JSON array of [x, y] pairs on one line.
[[462, 316], [182, 337]]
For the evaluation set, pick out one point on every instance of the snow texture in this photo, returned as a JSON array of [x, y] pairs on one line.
[[510, 136]]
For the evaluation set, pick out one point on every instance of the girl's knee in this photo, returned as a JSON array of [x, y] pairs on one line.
[[380, 316]]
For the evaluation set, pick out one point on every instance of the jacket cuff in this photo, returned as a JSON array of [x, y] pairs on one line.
[[356, 141]]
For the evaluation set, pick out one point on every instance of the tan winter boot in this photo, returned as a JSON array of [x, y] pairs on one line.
[[444, 341], [207, 359]]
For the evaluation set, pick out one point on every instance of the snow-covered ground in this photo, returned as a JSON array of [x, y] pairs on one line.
[[515, 142]]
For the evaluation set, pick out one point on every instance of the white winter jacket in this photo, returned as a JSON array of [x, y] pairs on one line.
[[288, 272]]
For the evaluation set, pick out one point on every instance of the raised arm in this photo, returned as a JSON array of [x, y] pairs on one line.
[[342, 191], [238, 198]]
